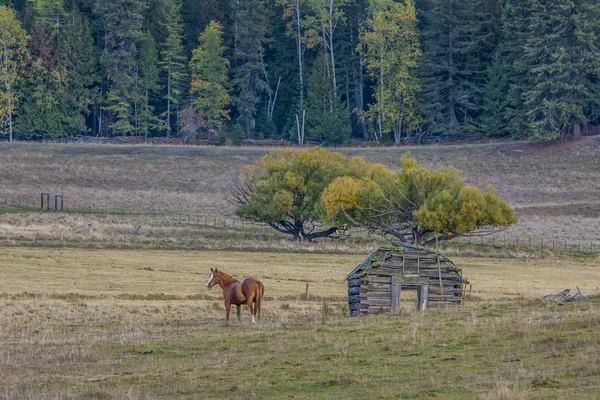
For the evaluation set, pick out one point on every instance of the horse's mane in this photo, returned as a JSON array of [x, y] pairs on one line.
[[226, 278]]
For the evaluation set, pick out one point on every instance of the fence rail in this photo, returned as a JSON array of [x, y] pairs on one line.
[[510, 245]]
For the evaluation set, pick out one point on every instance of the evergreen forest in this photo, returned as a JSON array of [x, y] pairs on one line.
[[326, 71]]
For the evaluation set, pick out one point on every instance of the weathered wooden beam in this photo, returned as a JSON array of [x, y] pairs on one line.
[[374, 302], [424, 298], [377, 279], [395, 295], [374, 295]]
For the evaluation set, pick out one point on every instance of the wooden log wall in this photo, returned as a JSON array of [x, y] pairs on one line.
[[375, 294], [372, 293]]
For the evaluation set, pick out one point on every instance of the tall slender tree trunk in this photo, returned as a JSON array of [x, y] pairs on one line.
[[330, 33], [8, 92], [380, 93], [451, 98], [577, 128], [360, 105], [169, 102], [300, 53], [10, 124]]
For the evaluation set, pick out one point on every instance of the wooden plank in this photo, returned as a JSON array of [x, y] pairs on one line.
[[445, 282], [435, 302], [378, 292], [445, 274], [387, 271], [395, 295], [371, 295], [372, 302], [376, 286], [377, 279], [437, 296], [449, 291], [419, 280], [424, 303]]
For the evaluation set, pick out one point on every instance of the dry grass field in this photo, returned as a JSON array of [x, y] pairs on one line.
[[119, 324], [554, 190]]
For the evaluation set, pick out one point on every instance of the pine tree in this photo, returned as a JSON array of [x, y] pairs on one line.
[[562, 54], [50, 12], [293, 11], [77, 58], [198, 14], [61, 85], [148, 84], [454, 65], [326, 117], [496, 104], [13, 56], [121, 27], [209, 79], [250, 30], [172, 59], [516, 18]]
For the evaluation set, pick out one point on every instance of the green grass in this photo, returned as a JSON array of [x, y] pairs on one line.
[[113, 324], [17, 210]]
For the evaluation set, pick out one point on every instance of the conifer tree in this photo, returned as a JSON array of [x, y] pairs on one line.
[[172, 59], [250, 39], [454, 69], [293, 11], [326, 116], [149, 86], [13, 56], [496, 103], [121, 22], [562, 55], [516, 18], [209, 79], [62, 83]]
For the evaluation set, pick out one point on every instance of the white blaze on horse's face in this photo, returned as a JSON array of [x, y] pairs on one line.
[[210, 278]]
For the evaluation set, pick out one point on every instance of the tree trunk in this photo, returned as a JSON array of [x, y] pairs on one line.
[[360, 94], [331, 28], [169, 102], [7, 85], [322, 234], [451, 99], [10, 124], [300, 52], [577, 129]]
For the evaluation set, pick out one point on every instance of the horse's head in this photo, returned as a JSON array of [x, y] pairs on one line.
[[212, 278]]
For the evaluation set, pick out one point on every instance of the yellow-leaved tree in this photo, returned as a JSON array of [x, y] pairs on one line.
[[415, 204], [284, 190], [310, 193]]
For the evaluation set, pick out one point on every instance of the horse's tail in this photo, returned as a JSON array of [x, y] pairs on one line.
[[260, 291]]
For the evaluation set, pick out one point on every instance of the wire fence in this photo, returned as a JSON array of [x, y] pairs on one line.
[[197, 231]]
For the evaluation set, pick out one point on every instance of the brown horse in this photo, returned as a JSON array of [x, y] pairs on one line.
[[235, 292]]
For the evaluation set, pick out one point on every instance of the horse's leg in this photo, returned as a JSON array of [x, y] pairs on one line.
[[238, 312], [227, 310], [259, 295], [250, 301]]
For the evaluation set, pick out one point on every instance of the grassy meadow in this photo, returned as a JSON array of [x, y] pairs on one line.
[[554, 191], [128, 324], [100, 306]]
